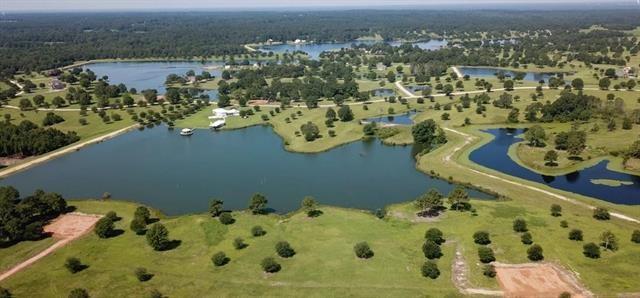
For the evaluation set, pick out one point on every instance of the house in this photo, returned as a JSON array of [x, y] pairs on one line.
[[626, 71], [57, 84], [221, 113], [191, 79]]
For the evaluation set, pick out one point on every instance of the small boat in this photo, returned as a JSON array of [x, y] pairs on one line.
[[186, 132], [217, 124]]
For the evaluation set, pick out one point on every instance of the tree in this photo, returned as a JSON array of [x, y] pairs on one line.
[[486, 254], [142, 274], [575, 234], [284, 249], [427, 133], [551, 157], [215, 207], [238, 243], [556, 210], [270, 265], [330, 114], [431, 200], [25, 104], [591, 250], [309, 205], [604, 83], [430, 269], [601, 214], [138, 226], [220, 259], [508, 85], [534, 253], [38, 100], [369, 129], [536, 136], [608, 240], [577, 84], [513, 116], [431, 250], [526, 238], [158, 237], [435, 235], [576, 143], [635, 236], [226, 218], [310, 131], [519, 225], [5, 293], [78, 293], [258, 231], [489, 271], [459, 198], [481, 237], [362, 250], [345, 114], [104, 227], [257, 203], [142, 213], [74, 265]]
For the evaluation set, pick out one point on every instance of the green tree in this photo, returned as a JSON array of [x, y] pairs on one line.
[[238, 243], [270, 265], [534, 253], [431, 250], [310, 131], [226, 218], [459, 198], [258, 203], [104, 227], [345, 114], [608, 240], [481, 237], [601, 214], [428, 133], [591, 250], [220, 259], [74, 265], [486, 254], [142, 274], [284, 249], [519, 225], [142, 213], [551, 157], [258, 231], [362, 250], [536, 136], [556, 210], [158, 237], [78, 293], [309, 205], [5, 293], [215, 207], [331, 114], [508, 85], [138, 226], [604, 83], [435, 235], [635, 236], [526, 238], [431, 200], [430, 269], [577, 84], [575, 234]]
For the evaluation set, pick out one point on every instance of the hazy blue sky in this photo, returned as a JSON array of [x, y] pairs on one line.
[[45, 5]]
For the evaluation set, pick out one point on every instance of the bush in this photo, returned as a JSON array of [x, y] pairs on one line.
[[158, 237], [215, 208], [534, 253], [486, 254], [489, 271], [142, 274], [78, 293], [284, 249], [258, 231], [608, 240], [73, 265], [575, 235], [270, 265], [113, 216], [431, 250], [362, 250], [434, 235], [635, 236], [430, 270], [226, 218], [138, 225], [556, 210], [601, 214], [481, 237], [5, 293], [564, 224], [526, 238], [565, 295], [104, 227], [220, 259], [238, 243], [519, 225], [142, 213], [591, 250]]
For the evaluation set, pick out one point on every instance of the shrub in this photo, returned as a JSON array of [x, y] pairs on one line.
[[142, 274], [534, 253], [284, 249], [158, 237], [481, 237], [608, 240], [138, 225], [526, 238], [73, 265], [5, 293], [362, 250], [238, 243], [215, 208], [113, 216], [270, 265], [257, 203], [519, 225], [258, 231], [142, 213], [78, 293], [556, 210], [430, 270], [226, 218], [489, 271], [104, 227], [564, 224], [575, 235], [434, 235], [601, 214], [220, 259], [486, 254], [431, 250], [635, 236], [564, 295], [591, 250]]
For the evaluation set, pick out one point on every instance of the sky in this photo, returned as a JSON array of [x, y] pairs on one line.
[[105, 5]]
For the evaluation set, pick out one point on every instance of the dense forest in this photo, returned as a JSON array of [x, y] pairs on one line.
[[45, 41], [27, 139]]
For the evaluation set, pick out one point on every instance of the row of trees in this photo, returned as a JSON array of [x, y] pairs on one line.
[[27, 139]]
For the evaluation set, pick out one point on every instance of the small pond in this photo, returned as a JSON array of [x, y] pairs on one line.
[[489, 72], [180, 175], [383, 92], [494, 156]]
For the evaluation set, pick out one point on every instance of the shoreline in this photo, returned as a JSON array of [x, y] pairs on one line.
[[60, 152]]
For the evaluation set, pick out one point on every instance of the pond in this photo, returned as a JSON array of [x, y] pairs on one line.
[[315, 49], [490, 72], [180, 175], [417, 88], [149, 75], [494, 156], [400, 119], [383, 92]]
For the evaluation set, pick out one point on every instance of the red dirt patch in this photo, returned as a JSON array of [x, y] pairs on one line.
[[538, 280]]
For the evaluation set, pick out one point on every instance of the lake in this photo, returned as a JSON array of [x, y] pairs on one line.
[[149, 75], [494, 156], [490, 72], [180, 175]]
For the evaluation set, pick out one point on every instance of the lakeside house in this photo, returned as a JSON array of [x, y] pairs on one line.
[[57, 84], [221, 113]]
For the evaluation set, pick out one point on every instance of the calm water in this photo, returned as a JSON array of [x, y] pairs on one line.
[[383, 92], [484, 72], [149, 75], [181, 174], [494, 155], [315, 49], [401, 119]]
